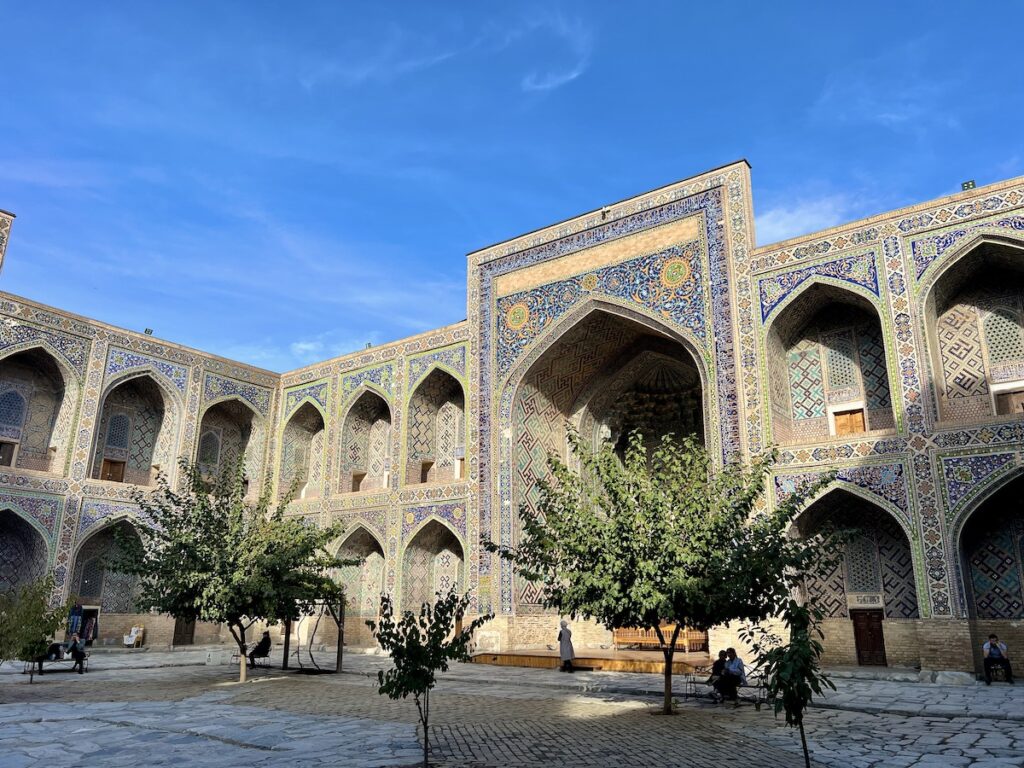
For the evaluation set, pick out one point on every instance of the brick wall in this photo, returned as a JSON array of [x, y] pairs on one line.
[[1009, 631], [159, 630]]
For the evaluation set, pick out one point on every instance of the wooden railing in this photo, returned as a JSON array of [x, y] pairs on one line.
[[688, 640]]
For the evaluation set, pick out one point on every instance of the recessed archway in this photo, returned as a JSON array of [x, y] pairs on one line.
[[607, 374], [827, 369], [230, 432], [436, 430], [992, 555], [366, 445], [433, 562], [302, 453], [974, 316], [34, 414], [869, 595], [133, 440], [23, 551]]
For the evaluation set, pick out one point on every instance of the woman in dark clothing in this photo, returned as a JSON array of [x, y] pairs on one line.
[[77, 650]]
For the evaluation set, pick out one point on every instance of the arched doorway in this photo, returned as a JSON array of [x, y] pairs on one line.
[[228, 434], [436, 431], [366, 445], [133, 440], [432, 563], [974, 314], [33, 419], [107, 595], [302, 453], [363, 584], [827, 368], [23, 552], [869, 595], [607, 374], [992, 553]]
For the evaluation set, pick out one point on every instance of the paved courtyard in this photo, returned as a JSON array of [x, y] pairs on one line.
[[174, 709]]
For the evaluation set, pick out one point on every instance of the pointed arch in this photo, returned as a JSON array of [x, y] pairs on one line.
[[303, 449], [435, 429], [50, 389], [94, 579], [25, 549], [366, 439], [154, 410], [433, 560], [240, 433]]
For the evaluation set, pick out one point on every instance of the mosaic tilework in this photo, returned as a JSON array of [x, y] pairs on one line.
[[73, 350], [5, 234], [44, 510], [382, 376], [121, 360], [96, 512], [966, 475], [454, 359], [95, 582], [887, 481], [453, 513], [315, 392], [927, 250], [216, 387], [669, 282], [858, 269], [23, 551], [432, 562], [871, 351]]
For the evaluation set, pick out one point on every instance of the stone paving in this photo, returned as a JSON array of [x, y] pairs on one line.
[[163, 708]]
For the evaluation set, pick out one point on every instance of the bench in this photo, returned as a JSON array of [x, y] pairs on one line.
[[65, 661], [688, 640], [259, 661], [696, 686]]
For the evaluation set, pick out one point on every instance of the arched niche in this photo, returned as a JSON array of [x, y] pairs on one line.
[[230, 431], [974, 317], [869, 592], [607, 373], [302, 452], [23, 551], [827, 368], [363, 583], [95, 581], [366, 445], [436, 430], [135, 435], [433, 562], [35, 411], [992, 555]]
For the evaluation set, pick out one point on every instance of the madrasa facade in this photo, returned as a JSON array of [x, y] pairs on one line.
[[890, 350]]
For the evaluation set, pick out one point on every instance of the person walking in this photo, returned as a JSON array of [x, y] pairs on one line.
[[565, 649]]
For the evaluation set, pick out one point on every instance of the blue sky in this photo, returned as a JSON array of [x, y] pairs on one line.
[[282, 183]]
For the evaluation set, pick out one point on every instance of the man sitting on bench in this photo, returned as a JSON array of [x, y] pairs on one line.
[[996, 656], [261, 651]]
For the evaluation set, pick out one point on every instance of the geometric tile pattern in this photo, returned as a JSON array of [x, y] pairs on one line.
[[806, 382], [121, 360], [453, 358], [1004, 338], [872, 366], [841, 360], [22, 552], [859, 269], [215, 386], [95, 581], [960, 350], [995, 561]]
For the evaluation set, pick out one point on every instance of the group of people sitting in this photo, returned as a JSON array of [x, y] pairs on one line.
[[75, 648], [727, 675]]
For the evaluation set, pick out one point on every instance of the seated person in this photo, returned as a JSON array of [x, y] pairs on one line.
[[77, 650], [733, 677], [717, 670], [262, 649], [996, 656]]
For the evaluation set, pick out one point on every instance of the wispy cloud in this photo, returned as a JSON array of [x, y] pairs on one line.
[[895, 90], [801, 217], [571, 43]]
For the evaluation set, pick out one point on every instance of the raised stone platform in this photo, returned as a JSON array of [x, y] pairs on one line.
[[597, 660]]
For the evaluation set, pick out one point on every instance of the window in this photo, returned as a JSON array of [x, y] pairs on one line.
[[7, 451], [12, 412], [357, 480], [850, 422], [209, 449], [425, 469], [1010, 403], [112, 471], [118, 430]]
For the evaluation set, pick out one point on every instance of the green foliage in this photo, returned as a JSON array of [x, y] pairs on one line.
[[28, 621], [208, 555], [792, 670], [658, 536], [421, 646]]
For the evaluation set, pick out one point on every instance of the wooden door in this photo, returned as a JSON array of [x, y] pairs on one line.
[[112, 471], [184, 632], [850, 422], [867, 636]]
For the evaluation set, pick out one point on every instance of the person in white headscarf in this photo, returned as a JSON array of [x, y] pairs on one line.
[[565, 649]]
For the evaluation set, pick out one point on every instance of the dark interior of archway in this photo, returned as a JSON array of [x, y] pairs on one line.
[[993, 555], [875, 559], [22, 552], [95, 579], [31, 417]]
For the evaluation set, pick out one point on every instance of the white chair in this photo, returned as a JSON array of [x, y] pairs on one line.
[[134, 638]]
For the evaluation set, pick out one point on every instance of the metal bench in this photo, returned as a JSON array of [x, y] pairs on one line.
[[695, 686]]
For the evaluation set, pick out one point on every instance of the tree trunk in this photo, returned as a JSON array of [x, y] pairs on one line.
[[339, 619], [287, 642], [426, 731], [240, 642], [803, 742], [669, 651]]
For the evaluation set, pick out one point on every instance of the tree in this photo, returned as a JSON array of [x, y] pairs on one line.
[[792, 670], [207, 555], [28, 621], [420, 647], [658, 536]]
